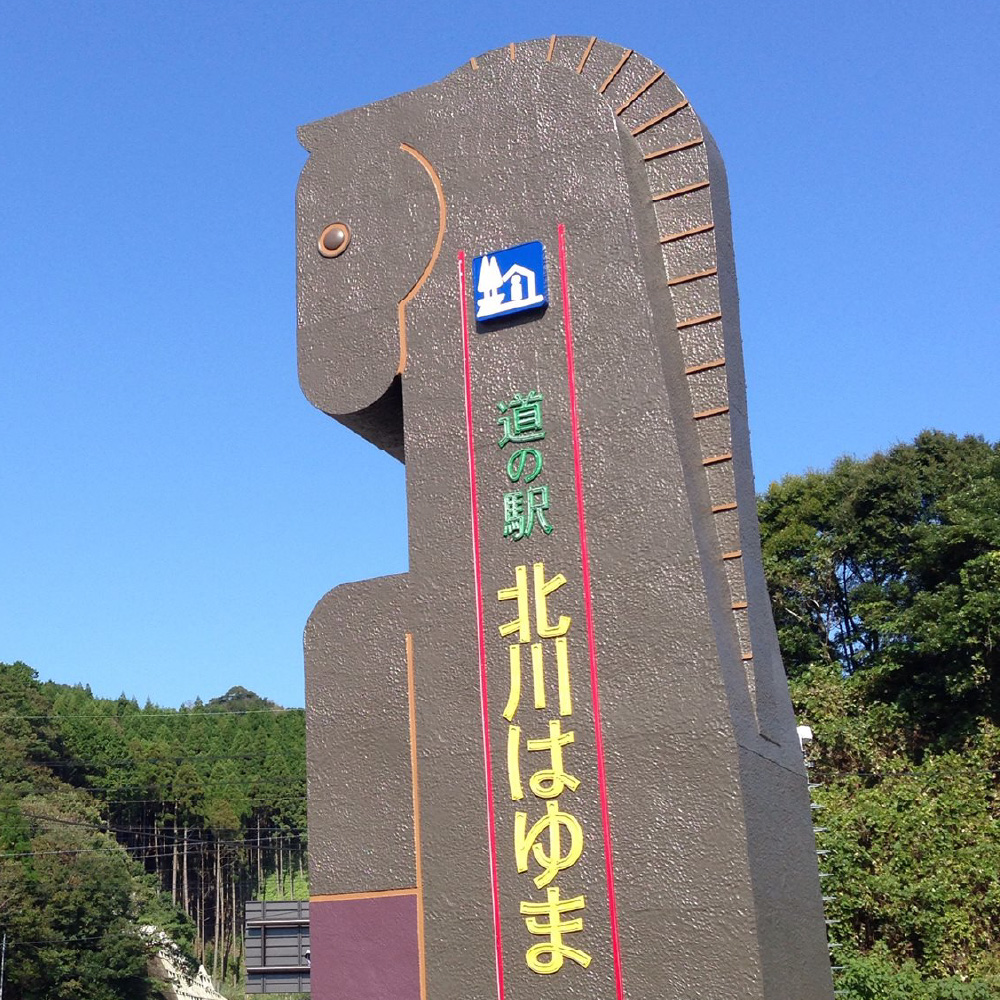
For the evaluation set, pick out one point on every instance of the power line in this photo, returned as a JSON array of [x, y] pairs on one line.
[[137, 760], [68, 822], [169, 801], [137, 831], [292, 837], [169, 796], [52, 942], [138, 713], [209, 785]]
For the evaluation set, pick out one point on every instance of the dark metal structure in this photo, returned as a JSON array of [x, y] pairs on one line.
[[277, 946]]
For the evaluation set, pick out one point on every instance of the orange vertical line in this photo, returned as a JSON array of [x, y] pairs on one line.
[[417, 857]]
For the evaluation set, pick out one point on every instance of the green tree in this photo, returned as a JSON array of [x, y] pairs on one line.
[[888, 569], [884, 579]]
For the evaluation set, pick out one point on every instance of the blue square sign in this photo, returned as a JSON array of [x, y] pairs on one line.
[[510, 281]]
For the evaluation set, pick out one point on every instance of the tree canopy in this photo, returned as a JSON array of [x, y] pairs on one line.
[[884, 580], [114, 815]]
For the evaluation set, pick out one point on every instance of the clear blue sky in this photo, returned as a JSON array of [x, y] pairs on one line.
[[171, 507]]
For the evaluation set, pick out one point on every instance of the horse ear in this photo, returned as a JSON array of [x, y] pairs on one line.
[[309, 135]]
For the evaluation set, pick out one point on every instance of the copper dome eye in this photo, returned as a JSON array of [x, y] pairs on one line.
[[334, 239]]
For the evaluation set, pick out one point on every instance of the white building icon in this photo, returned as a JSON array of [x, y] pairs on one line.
[[515, 289]]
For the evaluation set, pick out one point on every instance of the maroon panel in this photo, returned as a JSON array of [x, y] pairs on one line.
[[364, 949]]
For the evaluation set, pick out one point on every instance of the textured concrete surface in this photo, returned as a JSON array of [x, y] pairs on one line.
[[715, 889]]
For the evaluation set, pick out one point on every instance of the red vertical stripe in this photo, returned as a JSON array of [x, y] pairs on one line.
[[589, 609], [490, 824]]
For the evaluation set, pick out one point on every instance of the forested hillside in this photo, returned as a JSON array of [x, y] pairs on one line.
[[885, 580], [103, 802]]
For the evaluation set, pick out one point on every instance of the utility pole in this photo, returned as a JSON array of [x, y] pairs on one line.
[[3, 962]]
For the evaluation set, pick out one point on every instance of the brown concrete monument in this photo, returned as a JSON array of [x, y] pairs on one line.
[[557, 758]]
